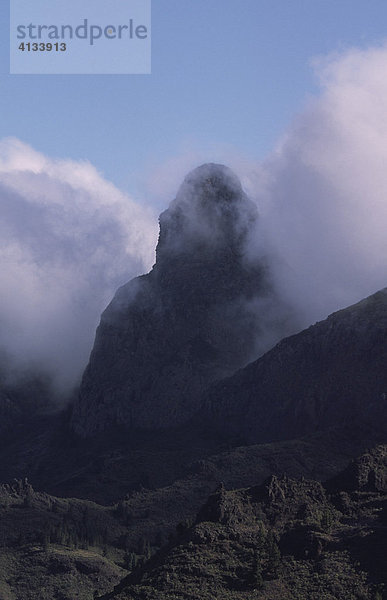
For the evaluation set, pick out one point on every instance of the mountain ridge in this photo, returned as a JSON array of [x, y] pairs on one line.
[[330, 373]]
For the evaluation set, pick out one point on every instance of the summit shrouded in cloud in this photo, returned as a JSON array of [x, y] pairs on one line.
[[211, 210], [195, 318], [69, 238], [239, 339]]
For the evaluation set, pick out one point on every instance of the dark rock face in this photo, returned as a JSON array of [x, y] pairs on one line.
[[333, 374], [192, 320]]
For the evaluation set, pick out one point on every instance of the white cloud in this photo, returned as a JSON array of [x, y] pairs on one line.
[[68, 238], [323, 192]]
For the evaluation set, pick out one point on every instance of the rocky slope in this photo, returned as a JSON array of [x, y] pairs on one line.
[[68, 548], [203, 311], [288, 539], [333, 374], [57, 548]]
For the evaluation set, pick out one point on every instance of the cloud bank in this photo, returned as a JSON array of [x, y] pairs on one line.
[[322, 194], [68, 239]]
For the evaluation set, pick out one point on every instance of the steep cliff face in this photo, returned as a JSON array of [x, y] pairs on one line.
[[333, 374], [195, 318]]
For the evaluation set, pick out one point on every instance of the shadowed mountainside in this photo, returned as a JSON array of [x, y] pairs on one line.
[[332, 374], [203, 311], [168, 334]]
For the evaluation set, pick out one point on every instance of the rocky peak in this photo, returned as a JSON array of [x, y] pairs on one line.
[[210, 215], [192, 320]]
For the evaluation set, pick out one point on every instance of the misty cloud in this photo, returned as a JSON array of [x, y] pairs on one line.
[[322, 194], [69, 238], [210, 210]]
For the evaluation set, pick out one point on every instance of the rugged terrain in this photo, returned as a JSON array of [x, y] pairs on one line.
[[283, 539], [182, 470], [288, 537]]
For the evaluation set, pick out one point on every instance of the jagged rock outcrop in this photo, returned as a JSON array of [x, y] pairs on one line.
[[285, 539], [200, 314], [333, 374]]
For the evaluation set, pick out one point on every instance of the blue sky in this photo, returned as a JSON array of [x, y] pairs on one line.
[[225, 74]]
